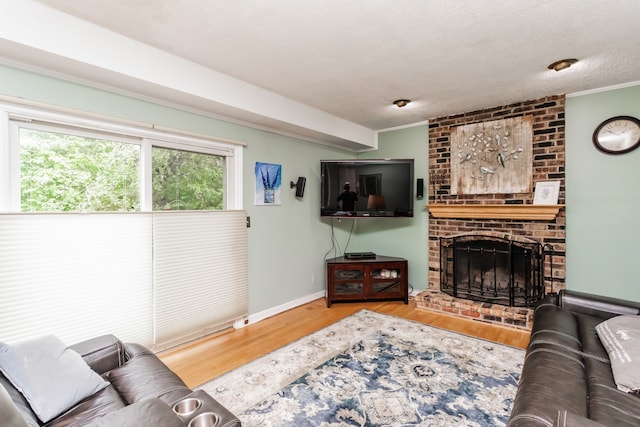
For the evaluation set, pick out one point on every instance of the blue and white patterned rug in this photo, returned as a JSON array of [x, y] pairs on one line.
[[372, 369]]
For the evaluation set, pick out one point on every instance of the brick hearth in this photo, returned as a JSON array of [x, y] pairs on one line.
[[513, 317]]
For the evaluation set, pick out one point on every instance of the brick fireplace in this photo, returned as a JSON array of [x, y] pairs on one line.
[[509, 216]]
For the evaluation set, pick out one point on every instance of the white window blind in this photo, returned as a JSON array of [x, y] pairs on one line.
[[153, 278], [75, 276], [200, 273]]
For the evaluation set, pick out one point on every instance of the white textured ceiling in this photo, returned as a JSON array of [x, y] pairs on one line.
[[353, 58]]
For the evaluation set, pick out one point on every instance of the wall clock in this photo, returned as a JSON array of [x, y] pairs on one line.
[[617, 135]]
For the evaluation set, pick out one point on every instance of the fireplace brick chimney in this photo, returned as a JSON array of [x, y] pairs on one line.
[[548, 164]]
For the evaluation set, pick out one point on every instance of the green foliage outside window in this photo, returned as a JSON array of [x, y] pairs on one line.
[[61, 173], [183, 180]]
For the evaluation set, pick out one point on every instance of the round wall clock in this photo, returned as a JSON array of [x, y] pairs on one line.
[[617, 135]]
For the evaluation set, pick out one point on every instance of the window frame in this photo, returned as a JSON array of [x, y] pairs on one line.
[[147, 174], [12, 117], [14, 146]]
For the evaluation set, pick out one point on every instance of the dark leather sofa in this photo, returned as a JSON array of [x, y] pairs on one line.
[[567, 379], [142, 391]]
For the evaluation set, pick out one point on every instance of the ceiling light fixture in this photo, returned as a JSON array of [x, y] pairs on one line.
[[562, 64], [401, 102]]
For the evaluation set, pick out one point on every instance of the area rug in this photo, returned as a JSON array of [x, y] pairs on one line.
[[371, 369]]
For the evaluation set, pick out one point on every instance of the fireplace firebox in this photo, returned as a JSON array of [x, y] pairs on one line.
[[492, 269]]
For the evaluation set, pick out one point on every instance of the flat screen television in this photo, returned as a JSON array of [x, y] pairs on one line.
[[366, 188]]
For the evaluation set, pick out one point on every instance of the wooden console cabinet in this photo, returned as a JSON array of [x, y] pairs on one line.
[[380, 278]]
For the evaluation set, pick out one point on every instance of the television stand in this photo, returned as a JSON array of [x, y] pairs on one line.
[[380, 278]]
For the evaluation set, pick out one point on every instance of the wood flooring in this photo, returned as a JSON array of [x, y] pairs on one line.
[[200, 361]]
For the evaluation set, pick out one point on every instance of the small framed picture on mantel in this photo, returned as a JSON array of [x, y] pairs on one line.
[[546, 193]]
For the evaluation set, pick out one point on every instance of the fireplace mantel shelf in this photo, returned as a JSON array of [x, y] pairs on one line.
[[503, 211]]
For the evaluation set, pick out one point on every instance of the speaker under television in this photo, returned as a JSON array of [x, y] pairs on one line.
[[299, 185]]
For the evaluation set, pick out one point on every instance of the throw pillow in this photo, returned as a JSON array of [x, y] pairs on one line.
[[51, 377], [620, 336]]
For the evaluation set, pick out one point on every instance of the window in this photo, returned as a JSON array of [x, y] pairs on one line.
[[184, 180], [157, 278], [55, 163], [62, 172]]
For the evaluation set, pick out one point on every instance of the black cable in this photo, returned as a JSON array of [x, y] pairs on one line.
[[353, 223]]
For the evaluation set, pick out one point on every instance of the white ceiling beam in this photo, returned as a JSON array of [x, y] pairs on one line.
[[49, 39]]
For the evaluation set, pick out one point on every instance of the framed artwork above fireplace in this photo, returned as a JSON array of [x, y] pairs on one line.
[[492, 157]]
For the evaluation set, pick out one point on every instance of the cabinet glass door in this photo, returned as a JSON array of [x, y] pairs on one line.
[[348, 274], [386, 273], [348, 281], [382, 288], [349, 288], [385, 281]]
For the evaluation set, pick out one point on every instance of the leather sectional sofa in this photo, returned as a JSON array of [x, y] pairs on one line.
[[138, 390], [567, 378]]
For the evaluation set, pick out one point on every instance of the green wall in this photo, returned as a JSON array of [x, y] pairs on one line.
[[603, 199], [287, 243], [402, 237]]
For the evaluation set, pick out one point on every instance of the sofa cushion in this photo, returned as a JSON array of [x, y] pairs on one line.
[[148, 412], [20, 403], [596, 305], [568, 419], [9, 414], [51, 377], [144, 376], [100, 404], [612, 407], [620, 336], [554, 325], [102, 353], [552, 380]]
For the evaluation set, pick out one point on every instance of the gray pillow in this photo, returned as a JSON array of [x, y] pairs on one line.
[[51, 377], [620, 336]]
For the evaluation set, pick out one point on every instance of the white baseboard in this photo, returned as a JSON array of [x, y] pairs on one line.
[[257, 317]]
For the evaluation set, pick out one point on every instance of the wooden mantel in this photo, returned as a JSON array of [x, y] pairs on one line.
[[502, 211]]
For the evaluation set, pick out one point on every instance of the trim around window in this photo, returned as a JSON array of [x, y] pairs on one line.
[[147, 135]]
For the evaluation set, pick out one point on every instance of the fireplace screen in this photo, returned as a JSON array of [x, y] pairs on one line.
[[492, 269]]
